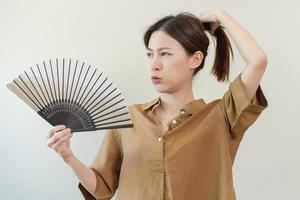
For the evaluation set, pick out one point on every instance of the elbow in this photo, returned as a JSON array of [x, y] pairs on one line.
[[261, 61]]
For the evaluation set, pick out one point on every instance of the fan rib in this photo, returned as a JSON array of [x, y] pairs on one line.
[[54, 87], [77, 81], [30, 92], [58, 88], [35, 89], [91, 112], [113, 122], [68, 79], [39, 86], [91, 88], [48, 81], [63, 81], [82, 83], [73, 79], [94, 94], [98, 117], [43, 83], [111, 117], [102, 98], [26, 94]]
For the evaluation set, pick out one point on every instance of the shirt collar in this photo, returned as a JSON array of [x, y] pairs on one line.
[[191, 107]]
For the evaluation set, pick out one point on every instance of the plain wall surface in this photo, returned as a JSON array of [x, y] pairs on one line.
[[108, 35]]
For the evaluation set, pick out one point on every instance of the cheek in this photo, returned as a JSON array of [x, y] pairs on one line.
[[177, 69]]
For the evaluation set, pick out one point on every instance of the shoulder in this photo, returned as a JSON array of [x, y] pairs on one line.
[[143, 106]]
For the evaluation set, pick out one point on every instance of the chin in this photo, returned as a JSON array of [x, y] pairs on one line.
[[162, 89]]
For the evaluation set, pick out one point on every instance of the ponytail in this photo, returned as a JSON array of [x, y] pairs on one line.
[[222, 57]]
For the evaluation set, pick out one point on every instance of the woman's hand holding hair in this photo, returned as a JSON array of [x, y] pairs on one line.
[[210, 20]]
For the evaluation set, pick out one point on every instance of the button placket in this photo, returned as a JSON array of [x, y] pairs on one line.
[[159, 161], [159, 165]]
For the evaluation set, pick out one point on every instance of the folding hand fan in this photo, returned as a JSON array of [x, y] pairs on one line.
[[74, 94]]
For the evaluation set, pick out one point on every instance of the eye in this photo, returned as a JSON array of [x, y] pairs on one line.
[[165, 54], [149, 54]]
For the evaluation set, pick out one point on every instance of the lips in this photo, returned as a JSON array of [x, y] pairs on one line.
[[155, 79]]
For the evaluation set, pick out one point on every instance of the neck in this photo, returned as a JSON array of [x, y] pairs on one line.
[[172, 102]]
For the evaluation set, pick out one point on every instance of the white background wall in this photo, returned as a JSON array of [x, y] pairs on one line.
[[108, 34]]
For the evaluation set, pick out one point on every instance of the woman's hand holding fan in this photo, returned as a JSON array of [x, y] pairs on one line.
[[59, 140]]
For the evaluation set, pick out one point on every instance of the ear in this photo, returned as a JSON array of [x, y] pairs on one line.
[[196, 60]]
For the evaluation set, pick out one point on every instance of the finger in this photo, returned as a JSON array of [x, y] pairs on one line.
[[214, 27], [205, 16], [204, 19], [204, 13], [61, 141], [56, 129], [57, 136]]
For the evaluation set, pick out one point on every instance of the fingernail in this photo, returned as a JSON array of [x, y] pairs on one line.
[[48, 141]]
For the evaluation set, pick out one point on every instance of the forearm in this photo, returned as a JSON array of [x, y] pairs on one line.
[[245, 43], [85, 174]]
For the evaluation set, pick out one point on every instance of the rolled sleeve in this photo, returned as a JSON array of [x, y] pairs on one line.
[[106, 167], [238, 109]]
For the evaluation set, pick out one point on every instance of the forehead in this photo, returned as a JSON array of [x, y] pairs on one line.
[[161, 39]]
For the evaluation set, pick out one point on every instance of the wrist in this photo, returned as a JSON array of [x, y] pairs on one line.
[[220, 16], [69, 158]]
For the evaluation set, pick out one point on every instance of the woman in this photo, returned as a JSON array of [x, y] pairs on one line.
[[180, 147]]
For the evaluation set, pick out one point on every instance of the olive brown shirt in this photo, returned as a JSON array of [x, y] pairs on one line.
[[192, 160]]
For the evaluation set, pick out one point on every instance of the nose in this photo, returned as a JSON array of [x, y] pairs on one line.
[[155, 64]]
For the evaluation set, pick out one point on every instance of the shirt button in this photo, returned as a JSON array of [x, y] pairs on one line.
[[174, 121], [159, 138]]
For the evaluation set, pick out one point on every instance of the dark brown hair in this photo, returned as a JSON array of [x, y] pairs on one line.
[[188, 30]]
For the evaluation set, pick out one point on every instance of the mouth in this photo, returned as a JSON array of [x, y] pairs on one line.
[[155, 79]]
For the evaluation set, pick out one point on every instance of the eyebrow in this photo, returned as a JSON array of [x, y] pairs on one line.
[[159, 49]]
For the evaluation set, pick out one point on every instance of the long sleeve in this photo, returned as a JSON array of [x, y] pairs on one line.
[[239, 110], [106, 167]]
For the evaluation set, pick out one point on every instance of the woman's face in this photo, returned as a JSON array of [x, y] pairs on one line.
[[169, 61]]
